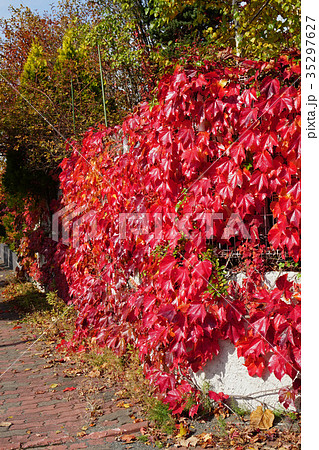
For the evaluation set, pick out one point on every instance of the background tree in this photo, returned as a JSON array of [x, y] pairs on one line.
[[255, 28]]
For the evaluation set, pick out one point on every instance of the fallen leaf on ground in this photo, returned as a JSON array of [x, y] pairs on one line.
[[192, 441], [118, 393], [183, 431], [122, 404], [128, 438], [54, 385], [206, 439], [81, 433], [69, 389], [5, 424], [95, 373], [261, 419]]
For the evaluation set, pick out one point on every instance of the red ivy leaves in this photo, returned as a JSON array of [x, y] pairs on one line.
[[205, 146]]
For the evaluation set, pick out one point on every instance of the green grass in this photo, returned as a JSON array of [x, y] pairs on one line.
[[162, 417]]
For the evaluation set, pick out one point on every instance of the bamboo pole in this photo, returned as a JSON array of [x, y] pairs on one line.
[[73, 113], [102, 84]]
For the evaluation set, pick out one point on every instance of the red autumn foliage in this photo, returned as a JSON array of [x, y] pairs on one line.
[[219, 139]]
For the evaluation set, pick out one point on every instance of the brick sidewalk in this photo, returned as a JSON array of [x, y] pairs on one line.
[[33, 414]]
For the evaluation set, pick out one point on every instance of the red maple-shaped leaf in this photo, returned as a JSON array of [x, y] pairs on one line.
[[197, 312], [186, 134], [249, 138], [237, 152], [277, 365], [203, 269], [255, 366], [193, 410], [287, 397], [248, 115], [221, 397], [270, 87], [263, 161], [167, 264]]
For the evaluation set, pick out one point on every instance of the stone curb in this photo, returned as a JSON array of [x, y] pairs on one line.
[[128, 428]]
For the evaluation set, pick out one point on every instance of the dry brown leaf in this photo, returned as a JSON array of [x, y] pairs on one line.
[[128, 438], [206, 436], [206, 439], [119, 394], [261, 419], [138, 420], [192, 441], [95, 373], [81, 433], [5, 424]]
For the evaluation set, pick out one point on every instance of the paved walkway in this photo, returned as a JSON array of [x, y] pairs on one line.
[[35, 413]]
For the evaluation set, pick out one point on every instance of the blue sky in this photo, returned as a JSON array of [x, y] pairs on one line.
[[39, 5]]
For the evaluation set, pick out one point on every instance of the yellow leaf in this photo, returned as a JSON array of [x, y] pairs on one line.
[[222, 83], [183, 431], [261, 419], [54, 385], [81, 433]]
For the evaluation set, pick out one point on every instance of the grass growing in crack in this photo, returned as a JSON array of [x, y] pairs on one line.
[[282, 413], [238, 410], [160, 414], [221, 422], [142, 438]]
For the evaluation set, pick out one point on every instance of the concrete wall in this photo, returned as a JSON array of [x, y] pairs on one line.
[[226, 372], [271, 277]]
